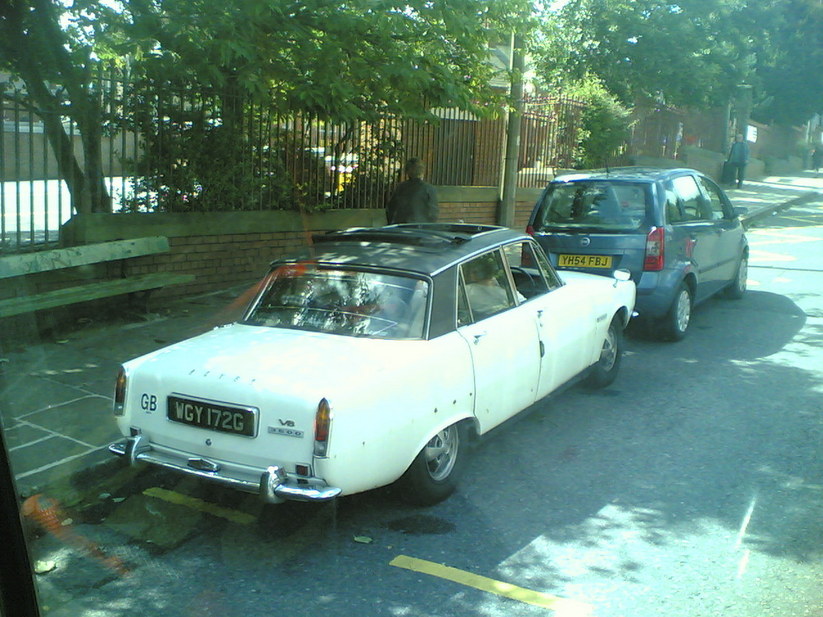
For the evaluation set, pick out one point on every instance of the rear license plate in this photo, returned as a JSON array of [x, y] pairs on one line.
[[584, 261], [214, 416]]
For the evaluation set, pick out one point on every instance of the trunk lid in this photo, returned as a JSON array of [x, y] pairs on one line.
[[274, 377]]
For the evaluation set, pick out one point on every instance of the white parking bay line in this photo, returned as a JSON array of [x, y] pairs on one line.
[[561, 606], [59, 463]]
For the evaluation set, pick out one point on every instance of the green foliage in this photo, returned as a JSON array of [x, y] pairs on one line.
[[356, 60], [789, 86], [378, 164], [605, 124], [690, 53], [367, 188], [57, 66], [192, 162], [348, 62]]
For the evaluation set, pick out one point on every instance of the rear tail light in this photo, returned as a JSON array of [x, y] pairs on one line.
[[655, 250], [120, 392], [530, 230], [322, 424]]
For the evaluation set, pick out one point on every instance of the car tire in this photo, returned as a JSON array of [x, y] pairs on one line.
[[737, 288], [604, 371], [435, 471], [674, 325]]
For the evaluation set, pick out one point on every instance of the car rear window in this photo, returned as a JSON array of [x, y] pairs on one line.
[[593, 205], [342, 301]]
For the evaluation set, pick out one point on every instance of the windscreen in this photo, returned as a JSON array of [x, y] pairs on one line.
[[347, 302], [598, 205]]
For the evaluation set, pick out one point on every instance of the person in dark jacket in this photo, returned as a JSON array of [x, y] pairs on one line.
[[738, 157], [817, 158], [413, 201]]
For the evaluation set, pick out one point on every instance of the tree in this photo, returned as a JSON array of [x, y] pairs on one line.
[[691, 53], [605, 123], [788, 63], [348, 61], [355, 59], [57, 66]]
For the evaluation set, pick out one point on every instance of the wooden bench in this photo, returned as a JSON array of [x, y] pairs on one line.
[[56, 259]]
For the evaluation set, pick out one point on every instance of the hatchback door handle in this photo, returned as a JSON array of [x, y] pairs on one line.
[[479, 336]]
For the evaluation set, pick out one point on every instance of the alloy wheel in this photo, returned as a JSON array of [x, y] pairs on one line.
[[683, 310], [441, 453], [608, 354]]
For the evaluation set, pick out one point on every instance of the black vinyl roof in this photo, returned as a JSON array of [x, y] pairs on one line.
[[423, 248]]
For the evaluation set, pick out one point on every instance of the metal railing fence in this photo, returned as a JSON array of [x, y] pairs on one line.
[[180, 150]]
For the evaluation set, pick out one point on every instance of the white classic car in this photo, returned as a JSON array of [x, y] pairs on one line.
[[374, 357]]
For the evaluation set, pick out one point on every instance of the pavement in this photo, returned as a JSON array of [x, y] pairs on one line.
[[56, 396]]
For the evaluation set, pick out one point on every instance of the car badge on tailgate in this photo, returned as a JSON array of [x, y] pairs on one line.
[[286, 428], [585, 241]]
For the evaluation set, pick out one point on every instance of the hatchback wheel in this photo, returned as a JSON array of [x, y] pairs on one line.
[[737, 288], [674, 325]]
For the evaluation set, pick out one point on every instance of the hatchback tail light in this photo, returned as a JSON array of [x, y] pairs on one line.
[[530, 230], [655, 245], [322, 425]]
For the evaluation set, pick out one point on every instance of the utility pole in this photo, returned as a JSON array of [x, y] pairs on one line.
[[508, 192]]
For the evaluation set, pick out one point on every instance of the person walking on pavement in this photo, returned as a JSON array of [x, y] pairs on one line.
[[817, 158], [413, 201], [738, 157]]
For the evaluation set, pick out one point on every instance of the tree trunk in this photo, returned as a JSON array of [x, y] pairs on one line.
[[33, 34]]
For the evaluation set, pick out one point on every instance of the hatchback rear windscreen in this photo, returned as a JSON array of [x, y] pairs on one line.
[[594, 205]]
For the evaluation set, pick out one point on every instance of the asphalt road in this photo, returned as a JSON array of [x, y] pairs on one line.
[[691, 487]]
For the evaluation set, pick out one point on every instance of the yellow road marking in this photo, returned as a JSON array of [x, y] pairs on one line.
[[562, 606], [194, 503]]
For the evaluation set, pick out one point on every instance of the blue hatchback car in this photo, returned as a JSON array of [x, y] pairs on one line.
[[675, 230]]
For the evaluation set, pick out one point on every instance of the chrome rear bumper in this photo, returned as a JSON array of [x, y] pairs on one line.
[[274, 485]]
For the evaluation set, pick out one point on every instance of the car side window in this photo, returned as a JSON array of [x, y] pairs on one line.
[[692, 202], [487, 287], [530, 270], [715, 199], [464, 314], [672, 205]]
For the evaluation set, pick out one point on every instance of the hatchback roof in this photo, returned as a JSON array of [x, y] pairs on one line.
[[424, 248], [636, 174]]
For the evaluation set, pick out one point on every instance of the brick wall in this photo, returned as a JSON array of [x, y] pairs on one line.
[[218, 261], [469, 212]]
